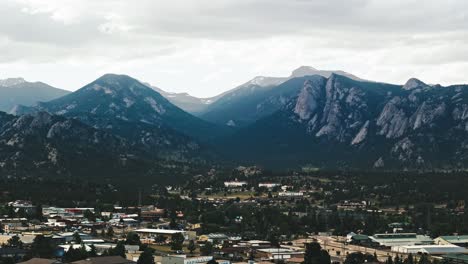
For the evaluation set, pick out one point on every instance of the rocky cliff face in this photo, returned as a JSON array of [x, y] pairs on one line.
[[261, 97], [364, 124], [45, 145]]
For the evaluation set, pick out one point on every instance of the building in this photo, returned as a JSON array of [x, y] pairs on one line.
[[235, 184], [278, 253], [430, 249], [258, 243], [152, 215], [183, 259], [68, 237], [105, 260], [9, 224], [269, 185], [401, 239], [15, 253], [215, 238], [151, 233], [40, 261], [461, 241], [358, 239], [352, 205], [291, 194], [65, 212], [23, 206]]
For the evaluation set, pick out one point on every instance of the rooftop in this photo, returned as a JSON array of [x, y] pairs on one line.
[[455, 239], [159, 231]]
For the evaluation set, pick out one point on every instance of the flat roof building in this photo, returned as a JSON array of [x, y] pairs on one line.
[[461, 240], [401, 239], [146, 233], [430, 249], [278, 253]]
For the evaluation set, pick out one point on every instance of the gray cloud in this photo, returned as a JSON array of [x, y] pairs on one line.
[[219, 44]]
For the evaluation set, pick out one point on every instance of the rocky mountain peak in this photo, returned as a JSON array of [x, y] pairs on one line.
[[263, 81], [309, 99], [304, 71], [413, 83], [115, 82], [11, 81]]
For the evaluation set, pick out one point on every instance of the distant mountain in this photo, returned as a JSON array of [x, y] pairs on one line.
[[260, 97], [338, 122], [122, 97], [185, 101], [17, 91]]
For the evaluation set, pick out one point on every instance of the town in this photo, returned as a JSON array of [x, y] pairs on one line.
[[248, 216]]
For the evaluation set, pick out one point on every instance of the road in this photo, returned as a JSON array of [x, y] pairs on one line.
[[338, 249]]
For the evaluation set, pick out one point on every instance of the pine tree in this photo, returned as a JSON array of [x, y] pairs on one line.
[[191, 246], [118, 250], [207, 249], [177, 241], [424, 259], [316, 255], [389, 260], [146, 257], [110, 232], [77, 238]]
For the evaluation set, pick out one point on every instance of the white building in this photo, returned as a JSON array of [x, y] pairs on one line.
[[291, 194], [269, 185], [235, 184], [430, 249], [183, 259], [278, 253], [153, 233]]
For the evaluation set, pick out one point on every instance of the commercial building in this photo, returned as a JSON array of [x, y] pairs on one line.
[[401, 239], [269, 185], [150, 233], [278, 253], [461, 240], [430, 249], [358, 239], [235, 184], [291, 194], [183, 259]]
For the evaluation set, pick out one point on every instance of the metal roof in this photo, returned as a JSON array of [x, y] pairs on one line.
[[159, 231]]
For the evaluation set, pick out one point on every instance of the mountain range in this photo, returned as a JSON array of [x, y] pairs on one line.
[[248, 102], [316, 119], [17, 91]]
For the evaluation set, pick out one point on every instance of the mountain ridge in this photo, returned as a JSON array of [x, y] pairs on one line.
[[18, 91], [362, 125]]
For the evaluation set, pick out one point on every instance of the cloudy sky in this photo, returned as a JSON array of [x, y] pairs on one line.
[[205, 47]]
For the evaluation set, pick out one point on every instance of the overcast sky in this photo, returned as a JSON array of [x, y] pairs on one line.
[[205, 47]]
